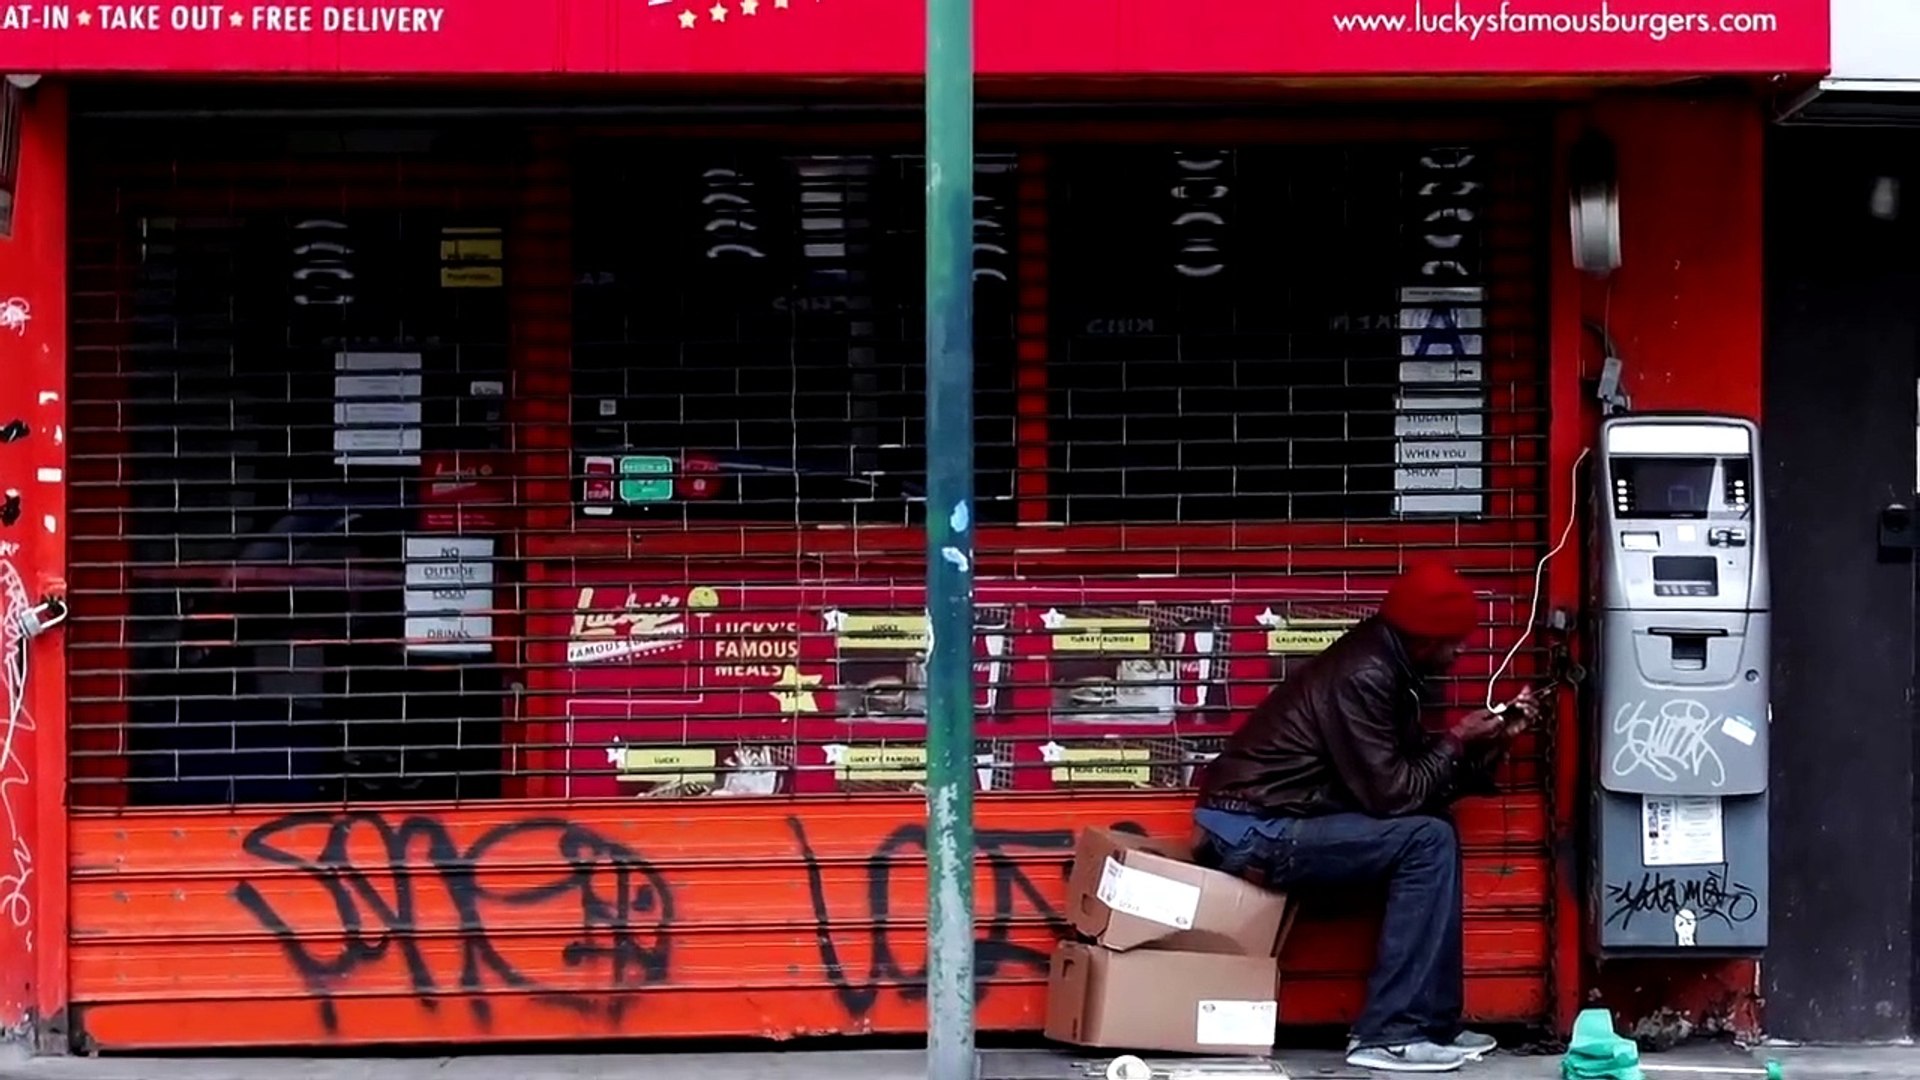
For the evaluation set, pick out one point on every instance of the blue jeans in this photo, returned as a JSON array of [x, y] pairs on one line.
[[1418, 977]]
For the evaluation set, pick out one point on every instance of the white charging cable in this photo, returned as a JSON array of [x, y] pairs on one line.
[[1539, 583]]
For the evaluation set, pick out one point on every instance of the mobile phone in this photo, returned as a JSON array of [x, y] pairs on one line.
[[1528, 717]]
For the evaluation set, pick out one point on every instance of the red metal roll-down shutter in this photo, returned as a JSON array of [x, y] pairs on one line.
[[496, 573]]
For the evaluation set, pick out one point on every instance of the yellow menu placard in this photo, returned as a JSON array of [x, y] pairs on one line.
[[655, 764], [471, 258], [1306, 637], [1105, 765], [905, 763], [472, 277], [1104, 635], [483, 246], [902, 631]]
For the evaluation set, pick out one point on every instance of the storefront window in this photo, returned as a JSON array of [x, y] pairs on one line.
[[748, 336]]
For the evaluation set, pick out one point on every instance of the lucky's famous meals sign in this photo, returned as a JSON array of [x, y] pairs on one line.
[[883, 37]]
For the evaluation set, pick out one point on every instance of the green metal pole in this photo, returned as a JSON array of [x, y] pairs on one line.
[[950, 985]]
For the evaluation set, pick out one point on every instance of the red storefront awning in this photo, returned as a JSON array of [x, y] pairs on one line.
[[1361, 38]]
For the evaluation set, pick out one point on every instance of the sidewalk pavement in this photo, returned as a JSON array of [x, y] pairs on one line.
[[1800, 1063]]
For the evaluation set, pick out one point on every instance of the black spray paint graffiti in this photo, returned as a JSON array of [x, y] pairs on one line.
[[1013, 892], [1710, 896], [620, 905]]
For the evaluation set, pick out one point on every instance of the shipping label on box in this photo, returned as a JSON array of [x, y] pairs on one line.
[[1127, 892], [1160, 999], [1148, 896], [1235, 1023]]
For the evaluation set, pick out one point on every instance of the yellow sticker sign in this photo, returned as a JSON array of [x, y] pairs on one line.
[[471, 258], [1103, 635], [660, 764], [1306, 637], [1104, 765], [893, 631], [898, 763]]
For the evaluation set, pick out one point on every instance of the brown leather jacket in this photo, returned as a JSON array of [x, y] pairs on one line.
[[1344, 736]]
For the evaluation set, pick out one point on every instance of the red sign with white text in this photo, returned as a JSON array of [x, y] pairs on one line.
[[883, 37]]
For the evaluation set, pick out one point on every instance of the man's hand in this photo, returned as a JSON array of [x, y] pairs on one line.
[[1478, 726], [1528, 708], [1534, 699]]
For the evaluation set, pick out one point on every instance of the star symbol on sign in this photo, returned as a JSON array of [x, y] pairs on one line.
[[719, 12], [1269, 620], [791, 691], [235, 19], [687, 19], [1052, 619], [749, 7], [85, 18]]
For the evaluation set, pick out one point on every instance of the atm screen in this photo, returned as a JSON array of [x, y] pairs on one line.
[[1663, 487]]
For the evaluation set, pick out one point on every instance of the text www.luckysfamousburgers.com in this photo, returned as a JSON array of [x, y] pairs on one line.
[[1457, 18]]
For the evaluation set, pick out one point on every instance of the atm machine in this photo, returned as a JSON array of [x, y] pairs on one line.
[[1679, 847]]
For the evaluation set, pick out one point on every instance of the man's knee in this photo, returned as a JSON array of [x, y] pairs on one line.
[[1432, 837]]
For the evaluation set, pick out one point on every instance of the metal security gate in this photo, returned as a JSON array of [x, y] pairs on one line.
[[496, 560]]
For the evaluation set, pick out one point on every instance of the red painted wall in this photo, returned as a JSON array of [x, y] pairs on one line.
[[1684, 311], [1684, 308], [33, 352]]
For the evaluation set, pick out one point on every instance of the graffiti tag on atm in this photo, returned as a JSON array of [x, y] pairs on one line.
[[1671, 741], [1708, 895], [390, 888], [636, 628]]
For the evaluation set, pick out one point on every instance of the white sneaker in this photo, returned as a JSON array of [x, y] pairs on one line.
[[1422, 1056], [1473, 1044]]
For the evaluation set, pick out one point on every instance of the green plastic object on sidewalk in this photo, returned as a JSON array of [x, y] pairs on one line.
[[1596, 1053]]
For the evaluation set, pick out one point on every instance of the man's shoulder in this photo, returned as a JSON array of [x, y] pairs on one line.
[[1366, 673], [1363, 651]]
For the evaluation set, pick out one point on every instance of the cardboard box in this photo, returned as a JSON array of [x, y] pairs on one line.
[[1158, 999], [1126, 891]]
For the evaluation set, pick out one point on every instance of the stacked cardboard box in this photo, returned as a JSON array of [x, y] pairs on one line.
[[1173, 957]]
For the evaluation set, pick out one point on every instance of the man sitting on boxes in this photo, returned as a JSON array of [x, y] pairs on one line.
[[1333, 781]]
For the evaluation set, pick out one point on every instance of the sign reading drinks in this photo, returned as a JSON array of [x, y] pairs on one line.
[[1576, 38]]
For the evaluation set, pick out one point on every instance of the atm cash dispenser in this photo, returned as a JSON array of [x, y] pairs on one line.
[[1680, 815]]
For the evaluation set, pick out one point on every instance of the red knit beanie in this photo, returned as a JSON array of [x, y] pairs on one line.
[[1430, 600]]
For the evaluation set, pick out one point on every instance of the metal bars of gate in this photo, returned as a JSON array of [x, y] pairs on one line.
[[454, 465]]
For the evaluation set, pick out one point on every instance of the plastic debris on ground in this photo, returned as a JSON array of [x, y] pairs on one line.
[[1597, 1052], [1132, 1067]]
